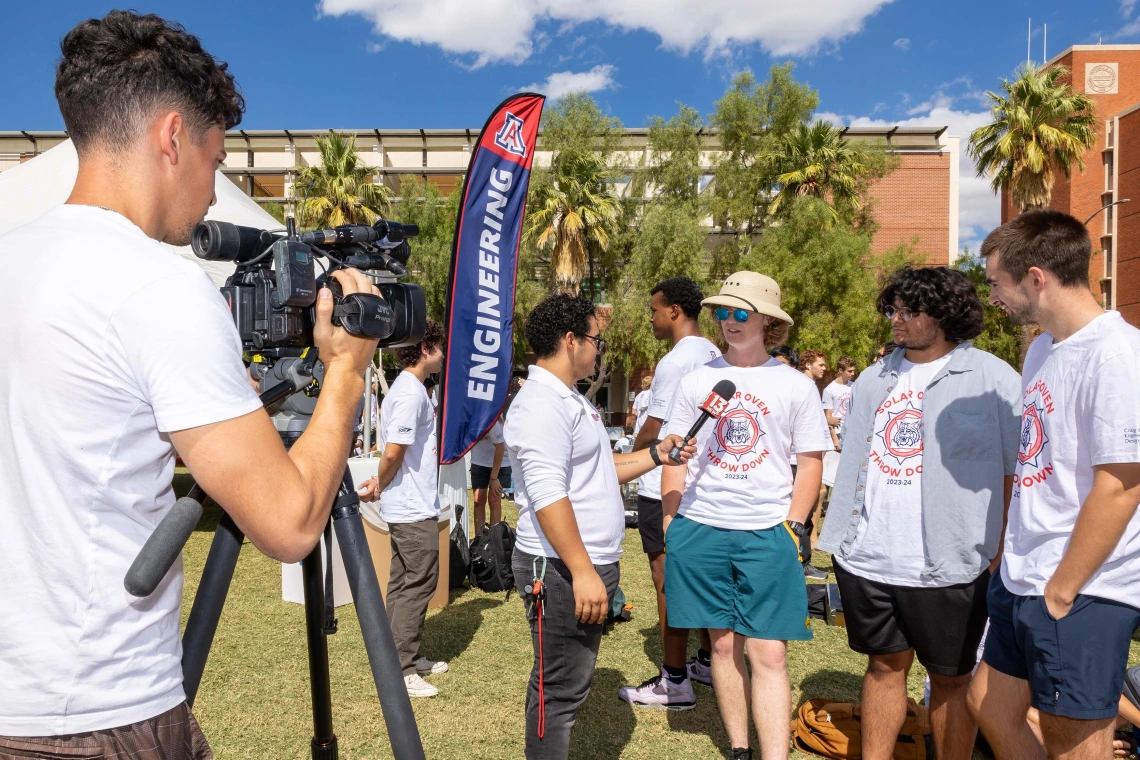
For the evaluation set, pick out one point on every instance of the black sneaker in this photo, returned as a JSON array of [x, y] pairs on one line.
[[741, 753], [810, 571]]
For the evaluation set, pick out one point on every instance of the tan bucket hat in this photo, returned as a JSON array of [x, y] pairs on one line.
[[752, 291]]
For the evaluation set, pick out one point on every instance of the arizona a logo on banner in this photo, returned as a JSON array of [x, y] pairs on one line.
[[481, 289]]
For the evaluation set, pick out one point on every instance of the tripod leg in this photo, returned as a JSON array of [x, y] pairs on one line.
[[208, 602], [324, 745], [394, 702]]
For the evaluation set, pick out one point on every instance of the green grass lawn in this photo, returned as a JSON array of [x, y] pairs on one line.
[[254, 698]]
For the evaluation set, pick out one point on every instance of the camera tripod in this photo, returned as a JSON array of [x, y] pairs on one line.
[[296, 380]]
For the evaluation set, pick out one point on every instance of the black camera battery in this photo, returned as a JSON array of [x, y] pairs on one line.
[[296, 275]]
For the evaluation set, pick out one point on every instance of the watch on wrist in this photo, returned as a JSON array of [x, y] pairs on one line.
[[655, 455], [797, 527]]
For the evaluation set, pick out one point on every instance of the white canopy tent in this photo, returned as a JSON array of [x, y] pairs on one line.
[[36, 186]]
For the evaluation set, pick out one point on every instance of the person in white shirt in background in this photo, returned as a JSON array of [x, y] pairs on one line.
[[571, 516], [1066, 602], [837, 397], [488, 476], [122, 355], [732, 516], [407, 485], [641, 404], [814, 366], [674, 310]]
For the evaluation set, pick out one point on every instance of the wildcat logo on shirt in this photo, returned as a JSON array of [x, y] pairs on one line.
[[844, 405], [735, 443], [901, 435]]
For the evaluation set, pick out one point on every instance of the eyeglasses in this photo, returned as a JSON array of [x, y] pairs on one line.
[[598, 341], [904, 313], [722, 312]]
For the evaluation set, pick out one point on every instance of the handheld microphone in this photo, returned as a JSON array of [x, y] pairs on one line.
[[712, 407]]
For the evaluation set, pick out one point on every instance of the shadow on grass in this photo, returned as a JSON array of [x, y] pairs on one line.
[[836, 685], [448, 634], [604, 725]]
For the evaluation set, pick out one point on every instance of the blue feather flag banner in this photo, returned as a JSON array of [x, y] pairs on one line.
[[479, 316]]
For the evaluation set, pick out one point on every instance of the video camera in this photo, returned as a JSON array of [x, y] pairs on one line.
[[273, 292]]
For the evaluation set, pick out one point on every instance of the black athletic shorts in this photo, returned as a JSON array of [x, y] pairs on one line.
[[650, 524], [481, 477], [943, 625]]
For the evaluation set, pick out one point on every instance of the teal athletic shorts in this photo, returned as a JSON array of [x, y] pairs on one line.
[[747, 581]]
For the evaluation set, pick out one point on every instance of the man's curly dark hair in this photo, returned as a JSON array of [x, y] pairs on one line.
[[553, 317], [683, 292], [409, 356], [117, 71], [945, 294]]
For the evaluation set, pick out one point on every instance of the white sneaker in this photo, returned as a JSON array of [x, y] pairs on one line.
[[699, 673], [418, 687], [426, 667], [659, 693]]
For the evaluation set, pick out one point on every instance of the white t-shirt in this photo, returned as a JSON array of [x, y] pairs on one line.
[[559, 448], [1079, 410], [483, 452], [741, 476], [407, 417], [110, 345], [690, 352], [889, 546], [837, 398], [641, 410]]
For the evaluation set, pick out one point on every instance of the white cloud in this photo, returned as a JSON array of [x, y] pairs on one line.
[[979, 209], [563, 82], [902, 43], [492, 31], [1126, 7]]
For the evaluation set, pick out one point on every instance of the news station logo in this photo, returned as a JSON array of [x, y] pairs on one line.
[[715, 405]]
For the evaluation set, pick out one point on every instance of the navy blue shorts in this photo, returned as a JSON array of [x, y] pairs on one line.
[[1075, 666]]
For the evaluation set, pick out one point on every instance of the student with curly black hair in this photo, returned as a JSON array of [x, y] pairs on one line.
[[571, 517], [406, 485], [917, 511]]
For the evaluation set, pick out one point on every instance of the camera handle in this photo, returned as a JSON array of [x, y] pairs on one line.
[[158, 555]]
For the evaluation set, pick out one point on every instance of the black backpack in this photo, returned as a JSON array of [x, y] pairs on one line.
[[491, 553], [460, 563]]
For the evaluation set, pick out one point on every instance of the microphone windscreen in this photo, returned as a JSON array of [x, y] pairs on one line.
[[726, 389], [162, 548]]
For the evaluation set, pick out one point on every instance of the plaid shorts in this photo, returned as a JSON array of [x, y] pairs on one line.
[[174, 735]]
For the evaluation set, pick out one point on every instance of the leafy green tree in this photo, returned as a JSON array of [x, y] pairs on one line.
[[423, 204], [340, 190], [1001, 337], [1038, 126], [828, 278]]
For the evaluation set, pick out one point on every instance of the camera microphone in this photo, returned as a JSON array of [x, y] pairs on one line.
[[712, 408]]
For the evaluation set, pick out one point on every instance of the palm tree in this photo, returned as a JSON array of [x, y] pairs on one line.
[[572, 210], [817, 161], [1039, 125], [340, 190]]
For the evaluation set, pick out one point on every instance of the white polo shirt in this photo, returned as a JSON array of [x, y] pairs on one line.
[[558, 447]]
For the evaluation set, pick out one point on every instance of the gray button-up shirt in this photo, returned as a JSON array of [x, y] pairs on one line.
[[971, 415]]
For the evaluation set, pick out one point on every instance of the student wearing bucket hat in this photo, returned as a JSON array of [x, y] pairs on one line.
[[732, 516]]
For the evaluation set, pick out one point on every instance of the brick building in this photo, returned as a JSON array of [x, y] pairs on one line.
[[1110, 76]]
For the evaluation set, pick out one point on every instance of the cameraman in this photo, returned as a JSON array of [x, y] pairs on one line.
[[125, 357]]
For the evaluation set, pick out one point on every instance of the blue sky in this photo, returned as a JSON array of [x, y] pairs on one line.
[[308, 64]]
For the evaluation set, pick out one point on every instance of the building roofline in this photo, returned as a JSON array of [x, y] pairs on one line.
[[1125, 112], [1087, 48]]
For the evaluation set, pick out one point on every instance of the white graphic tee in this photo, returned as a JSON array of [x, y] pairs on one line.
[[1079, 410], [889, 546], [741, 476], [837, 398], [641, 409], [690, 352]]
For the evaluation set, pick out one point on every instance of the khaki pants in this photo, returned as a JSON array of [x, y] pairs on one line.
[[174, 735], [411, 585]]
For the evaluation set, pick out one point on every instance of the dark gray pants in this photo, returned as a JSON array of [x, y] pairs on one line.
[[570, 650], [411, 584]]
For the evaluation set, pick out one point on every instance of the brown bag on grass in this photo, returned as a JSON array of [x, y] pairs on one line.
[[832, 729]]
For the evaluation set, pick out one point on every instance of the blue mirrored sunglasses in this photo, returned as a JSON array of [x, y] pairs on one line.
[[740, 315]]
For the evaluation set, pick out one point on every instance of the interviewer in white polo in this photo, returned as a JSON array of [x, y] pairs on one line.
[[571, 517]]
